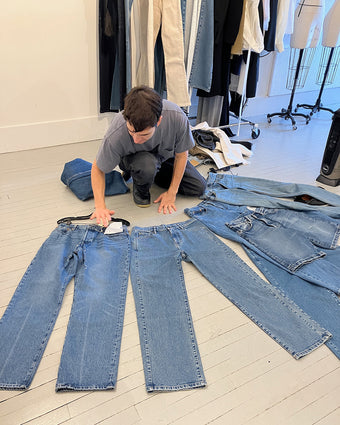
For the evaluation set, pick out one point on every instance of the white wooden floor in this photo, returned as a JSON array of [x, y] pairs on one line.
[[251, 379]]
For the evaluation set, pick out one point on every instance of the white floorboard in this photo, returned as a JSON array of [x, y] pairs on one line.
[[251, 379]]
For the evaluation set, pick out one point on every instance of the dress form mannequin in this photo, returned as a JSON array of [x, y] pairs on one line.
[[329, 60], [308, 20]]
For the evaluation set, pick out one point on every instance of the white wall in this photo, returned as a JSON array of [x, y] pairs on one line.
[[48, 74]]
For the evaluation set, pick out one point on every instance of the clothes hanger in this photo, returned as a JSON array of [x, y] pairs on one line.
[[68, 220]]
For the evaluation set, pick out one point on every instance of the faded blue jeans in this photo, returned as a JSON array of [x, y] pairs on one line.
[[316, 300], [255, 192], [170, 352], [244, 191], [100, 266]]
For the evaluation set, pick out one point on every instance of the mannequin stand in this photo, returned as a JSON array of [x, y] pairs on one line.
[[287, 113], [318, 105]]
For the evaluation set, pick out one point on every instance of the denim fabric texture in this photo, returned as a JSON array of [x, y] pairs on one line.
[[316, 300], [268, 193], [319, 303], [291, 238], [201, 68], [169, 348], [323, 269], [99, 264], [127, 6], [77, 176]]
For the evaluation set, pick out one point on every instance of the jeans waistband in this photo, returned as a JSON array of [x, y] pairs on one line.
[[161, 227], [84, 227]]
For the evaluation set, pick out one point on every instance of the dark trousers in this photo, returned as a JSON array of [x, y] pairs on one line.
[[112, 54], [147, 168]]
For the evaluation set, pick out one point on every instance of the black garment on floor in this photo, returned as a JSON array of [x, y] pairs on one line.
[[205, 138]]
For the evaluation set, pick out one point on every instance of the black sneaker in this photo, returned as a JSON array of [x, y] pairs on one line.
[[126, 175], [141, 196]]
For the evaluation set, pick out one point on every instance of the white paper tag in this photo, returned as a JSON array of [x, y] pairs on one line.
[[114, 227]]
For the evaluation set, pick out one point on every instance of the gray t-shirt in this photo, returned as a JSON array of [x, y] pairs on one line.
[[173, 135]]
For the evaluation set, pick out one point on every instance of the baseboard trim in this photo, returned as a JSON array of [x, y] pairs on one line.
[[52, 133]]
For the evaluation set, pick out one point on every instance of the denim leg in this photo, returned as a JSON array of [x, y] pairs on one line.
[[324, 271], [91, 350], [263, 303], [30, 316], [319, 303], [170, 352], [237, 190], [290, 248], [321, 230]]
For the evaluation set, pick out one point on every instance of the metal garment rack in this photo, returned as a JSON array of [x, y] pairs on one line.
[[255, 131]]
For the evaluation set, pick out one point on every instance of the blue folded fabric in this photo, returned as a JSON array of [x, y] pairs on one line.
[[77, 176]]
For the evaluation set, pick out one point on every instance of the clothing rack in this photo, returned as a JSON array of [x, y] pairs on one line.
[[255, 131]]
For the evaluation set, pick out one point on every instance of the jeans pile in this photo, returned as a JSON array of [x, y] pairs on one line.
[[100, 265], [295, 245]]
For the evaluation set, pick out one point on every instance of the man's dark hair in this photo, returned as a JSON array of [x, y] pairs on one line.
[[142, 108]]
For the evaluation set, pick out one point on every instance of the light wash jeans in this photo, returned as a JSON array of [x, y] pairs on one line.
[[285, 247], [169, 348], [100, 266], [255, 192], [198, 41], [241, 191], [317, 301]]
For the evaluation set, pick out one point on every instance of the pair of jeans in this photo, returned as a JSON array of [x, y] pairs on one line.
[[77, 176], [301, 242], [198, 41], [256, 192], [288, 248], [170, 351], [99, 264], [317, 301], [241, 191]]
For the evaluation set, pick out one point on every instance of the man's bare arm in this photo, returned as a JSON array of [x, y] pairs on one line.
[[101, 213]]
